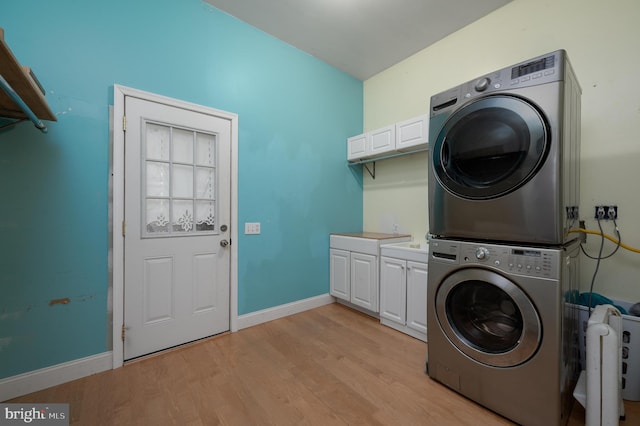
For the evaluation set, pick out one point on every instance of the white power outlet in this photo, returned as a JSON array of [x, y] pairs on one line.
[[252, 228]]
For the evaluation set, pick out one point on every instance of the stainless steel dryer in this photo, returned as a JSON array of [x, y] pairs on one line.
[[504, 157], [500, 330]]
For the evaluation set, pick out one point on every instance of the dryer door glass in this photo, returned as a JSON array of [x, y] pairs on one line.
[[488, 317], [490, 147]]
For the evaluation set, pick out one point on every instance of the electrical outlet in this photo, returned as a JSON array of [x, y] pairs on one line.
[[573, 212], [605, 212], [252, 228]]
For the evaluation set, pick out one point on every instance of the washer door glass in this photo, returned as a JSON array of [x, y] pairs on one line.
[[490, 147], [488, 317]]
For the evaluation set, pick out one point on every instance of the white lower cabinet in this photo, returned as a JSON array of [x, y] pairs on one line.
[[354, 260], [417, 297], [354, 278], [364, 281], [393, 292], [403, 295], [340, 267]]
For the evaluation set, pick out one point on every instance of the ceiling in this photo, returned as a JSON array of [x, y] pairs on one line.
[[360, 37]]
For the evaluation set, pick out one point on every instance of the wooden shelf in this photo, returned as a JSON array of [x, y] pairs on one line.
[[20, 79]]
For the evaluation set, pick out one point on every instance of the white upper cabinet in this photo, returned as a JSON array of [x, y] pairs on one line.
[[412, 134], [357, 147], [382, 140], [406, 136]]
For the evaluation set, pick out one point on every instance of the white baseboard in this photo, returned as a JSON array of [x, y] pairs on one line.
[[270, 314], [404, 329], [33, 381]]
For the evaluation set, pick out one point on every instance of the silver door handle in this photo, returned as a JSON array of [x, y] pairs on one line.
[[224, 243]]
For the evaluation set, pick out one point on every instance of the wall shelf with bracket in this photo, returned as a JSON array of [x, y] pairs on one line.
[[402, 138], [22, 96], [367, 161]]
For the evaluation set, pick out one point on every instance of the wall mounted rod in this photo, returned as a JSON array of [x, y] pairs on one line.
[[14, 96], [385, 157]]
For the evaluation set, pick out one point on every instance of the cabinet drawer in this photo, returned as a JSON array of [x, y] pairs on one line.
[[362, 245]]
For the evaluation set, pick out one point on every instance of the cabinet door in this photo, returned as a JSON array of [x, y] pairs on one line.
[[417, 296], [393, 289], [364, 281], [412, 133], [340, 275], [357, 147], [383, 140]]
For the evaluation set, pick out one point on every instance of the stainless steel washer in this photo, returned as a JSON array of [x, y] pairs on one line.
[[500, 329], [504, 157]]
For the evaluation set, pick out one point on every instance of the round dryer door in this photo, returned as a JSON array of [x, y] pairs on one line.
[[488, 317], [490, 147]]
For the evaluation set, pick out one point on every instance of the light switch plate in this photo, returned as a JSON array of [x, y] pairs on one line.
[[252, 228]]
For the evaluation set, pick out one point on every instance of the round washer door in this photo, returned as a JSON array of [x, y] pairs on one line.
[[490, 147], [488, 317]]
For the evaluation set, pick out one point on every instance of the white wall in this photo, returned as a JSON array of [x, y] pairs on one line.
[[602, 40]]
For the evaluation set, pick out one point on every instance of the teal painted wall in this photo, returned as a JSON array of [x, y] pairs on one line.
[[295, 113]]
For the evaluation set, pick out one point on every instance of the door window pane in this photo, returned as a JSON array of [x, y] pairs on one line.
[[205, 149], [205, 219], [182, 216], [182, 181], [157, 179], [204, 183], [182, 146], [158, 142], [178, 182], [157, 216]]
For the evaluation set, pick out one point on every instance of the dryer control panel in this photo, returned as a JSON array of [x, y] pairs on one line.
[[540, 70]]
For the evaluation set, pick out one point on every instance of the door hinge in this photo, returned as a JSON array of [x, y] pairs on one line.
[[124, 228], [124, 123], [122, 333]]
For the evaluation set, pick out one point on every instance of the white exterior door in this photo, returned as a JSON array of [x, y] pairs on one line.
[[177, 217]]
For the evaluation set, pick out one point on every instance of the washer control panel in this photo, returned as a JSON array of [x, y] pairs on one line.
[[520, 260]]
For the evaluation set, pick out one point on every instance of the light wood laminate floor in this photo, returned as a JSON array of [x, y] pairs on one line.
[[327, 366]]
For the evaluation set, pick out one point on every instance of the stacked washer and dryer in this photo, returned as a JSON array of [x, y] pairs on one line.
[[503, 194]]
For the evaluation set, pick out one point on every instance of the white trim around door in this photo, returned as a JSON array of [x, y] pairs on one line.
[[118, 184]]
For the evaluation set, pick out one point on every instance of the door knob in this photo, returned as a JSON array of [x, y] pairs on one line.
[[224, 243]]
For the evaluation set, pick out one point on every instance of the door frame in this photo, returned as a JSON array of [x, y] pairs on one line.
[[118, 157]]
